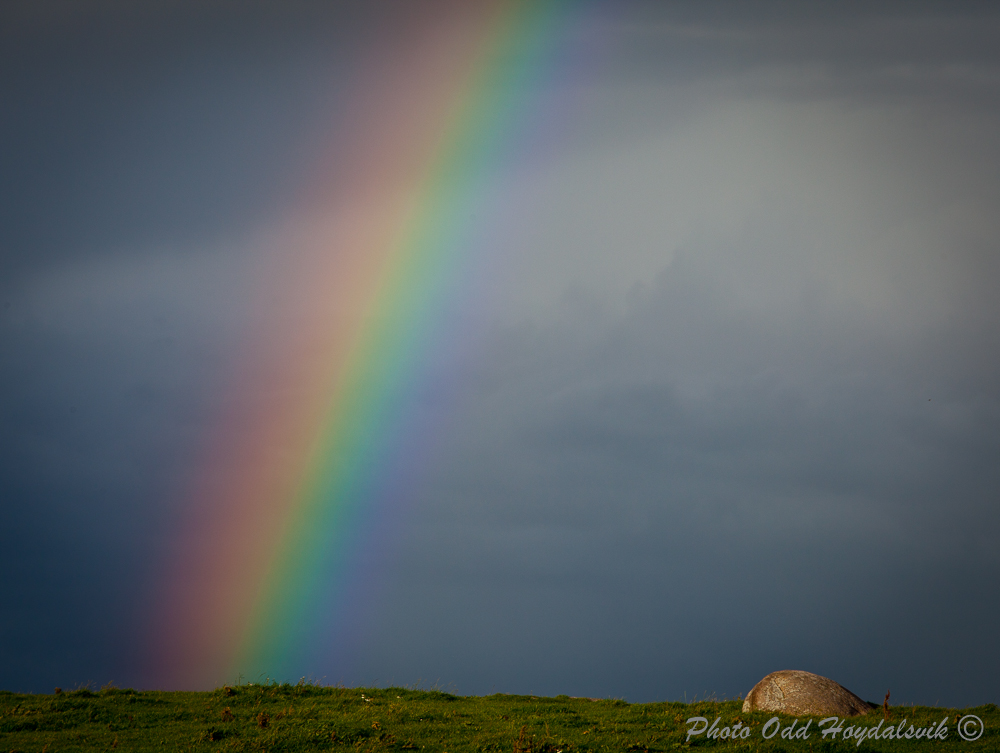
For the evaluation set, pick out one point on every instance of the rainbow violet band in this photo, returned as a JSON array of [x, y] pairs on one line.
[[324, 438]]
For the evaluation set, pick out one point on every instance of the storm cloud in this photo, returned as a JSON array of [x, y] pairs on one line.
[[729, 401]]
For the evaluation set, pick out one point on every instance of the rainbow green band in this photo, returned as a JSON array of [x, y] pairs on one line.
[[362, 427]]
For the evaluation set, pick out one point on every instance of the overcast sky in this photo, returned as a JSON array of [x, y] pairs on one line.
[[729, 397]]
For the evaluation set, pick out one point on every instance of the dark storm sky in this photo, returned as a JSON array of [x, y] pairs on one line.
[[735, 404]]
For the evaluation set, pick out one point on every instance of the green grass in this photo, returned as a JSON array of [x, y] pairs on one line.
[[311, 718]]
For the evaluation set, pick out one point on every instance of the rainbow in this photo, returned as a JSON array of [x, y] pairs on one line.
[[324, 439]]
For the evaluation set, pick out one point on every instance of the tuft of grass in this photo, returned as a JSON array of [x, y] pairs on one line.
[[306, 717]]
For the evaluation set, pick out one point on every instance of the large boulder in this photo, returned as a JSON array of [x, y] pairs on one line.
[[791, 691]]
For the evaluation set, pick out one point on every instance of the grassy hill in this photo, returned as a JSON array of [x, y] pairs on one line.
[[310, 718]]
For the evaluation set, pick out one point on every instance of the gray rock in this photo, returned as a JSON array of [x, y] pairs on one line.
[[791, 691]]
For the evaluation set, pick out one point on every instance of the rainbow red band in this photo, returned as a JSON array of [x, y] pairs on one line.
[[327, 426]]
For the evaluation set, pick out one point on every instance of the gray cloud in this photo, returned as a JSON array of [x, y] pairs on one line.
[[755, 496]]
